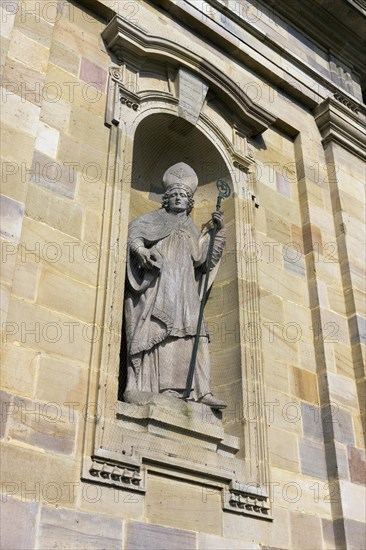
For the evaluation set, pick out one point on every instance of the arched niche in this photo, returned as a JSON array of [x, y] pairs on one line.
[[160, 141], [154, 122]]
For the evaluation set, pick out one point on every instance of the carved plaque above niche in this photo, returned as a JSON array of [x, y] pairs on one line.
[[192, 94]]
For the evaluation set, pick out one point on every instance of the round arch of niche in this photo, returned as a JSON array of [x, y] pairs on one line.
[[161, 140]]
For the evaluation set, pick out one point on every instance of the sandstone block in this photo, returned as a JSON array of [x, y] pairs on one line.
[[47, 140], [24, 515], [52, 175], [12, 213], [43, 329], [357, 465], [64, 58], [141, 536], [304, 385], [111, 501], [210, 542], [19, 365], [71, 530], [306, 531], [312, 455], [278, 228], [336, 457], [277, 377], [312, 421], [33, 26], [61, 381], [6, 401], [26, 277], [38, 476], [47, 426], [93, 74], [89, 129], [333, 533], [66, 254], [355, 534], [283, 449], [183, 506], [66, 295], [92, 227], [31, 53], [56, 114], [7, 19], [21, 155], [23, 81], [338, 423], [353, 500]]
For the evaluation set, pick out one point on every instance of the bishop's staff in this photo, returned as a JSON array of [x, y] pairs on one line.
[[224, 192]]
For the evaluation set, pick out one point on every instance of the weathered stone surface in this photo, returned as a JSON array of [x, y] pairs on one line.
[[333, 533], [44, 425], [141, 536], [69, 529], [283, 449], [338, 422], [93, 74], [182, 505], [213, 542], [306, 531], [357, 465], [53, 175], [19, 368], [355, 534], [26, 277], [312, 457], [64, 57], [18, 524], [353, 500], [304, 385], [28, 51], [12, 213], [66, 295], [336, 457], [6, 401], [250, 533], [61, 381], [23, 81], [312, 421], [47, 140]]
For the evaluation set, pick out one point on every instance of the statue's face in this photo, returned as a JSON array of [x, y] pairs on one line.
[[178, 200]]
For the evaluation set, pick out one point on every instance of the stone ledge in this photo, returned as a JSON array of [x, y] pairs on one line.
[[171, 418]]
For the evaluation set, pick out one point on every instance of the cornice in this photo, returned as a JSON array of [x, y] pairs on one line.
[[221, 37], [340, 124], [323, 27], [125, 39]]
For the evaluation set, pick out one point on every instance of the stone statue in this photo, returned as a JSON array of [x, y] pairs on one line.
[[166, 266]]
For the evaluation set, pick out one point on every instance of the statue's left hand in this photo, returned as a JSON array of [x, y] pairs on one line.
[[218, 219]]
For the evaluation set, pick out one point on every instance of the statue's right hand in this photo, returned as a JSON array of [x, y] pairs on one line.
[[143, 255]]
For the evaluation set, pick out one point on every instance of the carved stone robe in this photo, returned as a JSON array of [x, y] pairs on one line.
[[162, 305]]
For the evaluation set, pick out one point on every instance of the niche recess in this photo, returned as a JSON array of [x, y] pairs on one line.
[[166, 105]]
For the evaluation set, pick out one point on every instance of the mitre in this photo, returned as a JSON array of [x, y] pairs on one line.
[[180, 174]]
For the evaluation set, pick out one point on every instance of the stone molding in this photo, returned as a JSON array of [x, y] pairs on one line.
[[122, 38], [202, 23], [113, 473], [248, 503], [340, 121]]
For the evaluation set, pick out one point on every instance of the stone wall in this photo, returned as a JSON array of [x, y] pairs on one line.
[[305, 258]]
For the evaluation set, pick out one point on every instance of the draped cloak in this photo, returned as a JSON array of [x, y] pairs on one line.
[[162, 304]]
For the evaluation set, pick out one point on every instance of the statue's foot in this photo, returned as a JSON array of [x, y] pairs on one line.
[[212, 402], [171, 393]]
